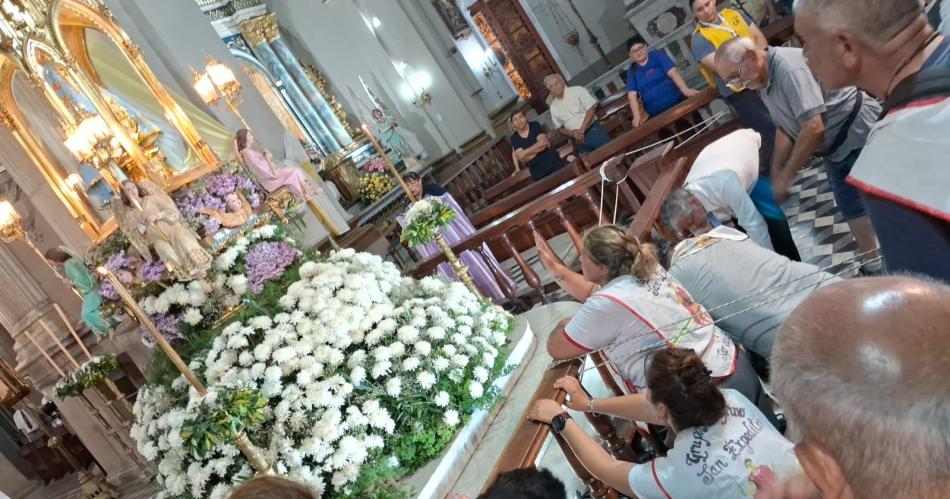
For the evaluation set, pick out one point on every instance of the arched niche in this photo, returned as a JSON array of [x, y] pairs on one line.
[[113, 67]]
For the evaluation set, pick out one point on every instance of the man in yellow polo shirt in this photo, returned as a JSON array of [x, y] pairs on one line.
[[713, 28]]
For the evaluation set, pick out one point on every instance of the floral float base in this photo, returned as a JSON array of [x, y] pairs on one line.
[[367, 377]]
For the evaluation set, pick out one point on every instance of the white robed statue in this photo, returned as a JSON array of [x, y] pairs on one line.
[[151, 220]]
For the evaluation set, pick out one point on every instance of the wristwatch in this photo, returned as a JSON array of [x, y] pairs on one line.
[[558, 422]]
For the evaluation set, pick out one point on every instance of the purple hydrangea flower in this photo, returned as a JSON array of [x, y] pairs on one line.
[[108, 291], [267, 261], [152, 271], [119, 261], [216, 187], [167, 324]]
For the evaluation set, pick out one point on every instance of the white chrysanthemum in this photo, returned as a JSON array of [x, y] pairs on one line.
[[449, 349], [410, 364], [442, 399], [398, 349], [408, 334], [381, 369], [460, 360], [161, 305], [451, 418], [480, 374], [193, 316], [436, 333], [440, 364], [475, 389], [426, 380], [238, 284], [357, 375], [423, 348], [394, 387]]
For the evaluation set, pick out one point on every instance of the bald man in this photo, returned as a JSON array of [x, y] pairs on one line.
[[860, 368], [888, 48]]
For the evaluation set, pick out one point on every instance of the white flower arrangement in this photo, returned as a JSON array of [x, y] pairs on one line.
[[424, 219], [355, 341]]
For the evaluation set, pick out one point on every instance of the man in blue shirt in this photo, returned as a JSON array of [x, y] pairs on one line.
[[888, 48], [652, 77]]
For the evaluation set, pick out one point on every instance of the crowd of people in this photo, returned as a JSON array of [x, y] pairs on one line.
[[866, 408]]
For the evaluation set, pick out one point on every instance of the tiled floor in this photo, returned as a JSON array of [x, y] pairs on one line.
[[822, 235]]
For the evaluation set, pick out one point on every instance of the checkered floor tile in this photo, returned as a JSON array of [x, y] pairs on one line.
[[819, 229]]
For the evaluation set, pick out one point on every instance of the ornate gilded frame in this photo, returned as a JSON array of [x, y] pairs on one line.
[[58, 29]]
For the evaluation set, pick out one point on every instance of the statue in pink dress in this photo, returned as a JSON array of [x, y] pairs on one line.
[[271, 175]]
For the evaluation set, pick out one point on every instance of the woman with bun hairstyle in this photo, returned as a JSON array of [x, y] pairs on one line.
[[631, 307], [717, 432]]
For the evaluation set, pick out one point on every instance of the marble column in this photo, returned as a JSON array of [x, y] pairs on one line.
[[308, 114], [292, 64]]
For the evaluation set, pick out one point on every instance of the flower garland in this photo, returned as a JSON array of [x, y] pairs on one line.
[[89, 374], [424, 219], [362, 370]]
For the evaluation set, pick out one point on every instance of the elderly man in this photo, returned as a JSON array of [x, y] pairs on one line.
[[724, 180], [888, 48], [860, 370], [573, 112], [726, 272], [809, 121]]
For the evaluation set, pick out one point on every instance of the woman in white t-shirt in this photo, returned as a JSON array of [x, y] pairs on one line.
[[724, 447], [633, 306]]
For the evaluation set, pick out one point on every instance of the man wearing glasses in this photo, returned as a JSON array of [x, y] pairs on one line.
[[809, 122]]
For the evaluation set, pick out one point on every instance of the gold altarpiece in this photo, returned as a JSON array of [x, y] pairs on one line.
[[48, 42]]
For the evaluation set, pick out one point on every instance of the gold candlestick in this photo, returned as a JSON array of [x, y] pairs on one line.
[[460, 270], [247, 448]]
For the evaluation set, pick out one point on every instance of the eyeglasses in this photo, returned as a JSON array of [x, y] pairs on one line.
[[641, 48], [735, 79]]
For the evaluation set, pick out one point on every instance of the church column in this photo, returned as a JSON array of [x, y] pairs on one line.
[[307, 113], [260, 32], [313, 95]]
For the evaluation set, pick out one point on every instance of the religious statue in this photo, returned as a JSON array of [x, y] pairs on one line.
[[150, 219], [76, 270], [394, 141], [273, 176], [236, 213]]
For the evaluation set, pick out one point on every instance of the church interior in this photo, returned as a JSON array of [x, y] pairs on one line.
[[368, 246]]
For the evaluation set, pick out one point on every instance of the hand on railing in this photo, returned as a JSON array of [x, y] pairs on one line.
[[578, 399], [544, 410], [549, 260]]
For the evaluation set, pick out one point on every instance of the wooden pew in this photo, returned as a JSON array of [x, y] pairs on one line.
[[468, 181], [632, 139], [520, 198]]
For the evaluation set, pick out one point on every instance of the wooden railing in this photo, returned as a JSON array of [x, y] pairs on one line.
[[524, 448], [526, 443], [499, 233], [631, 140]]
